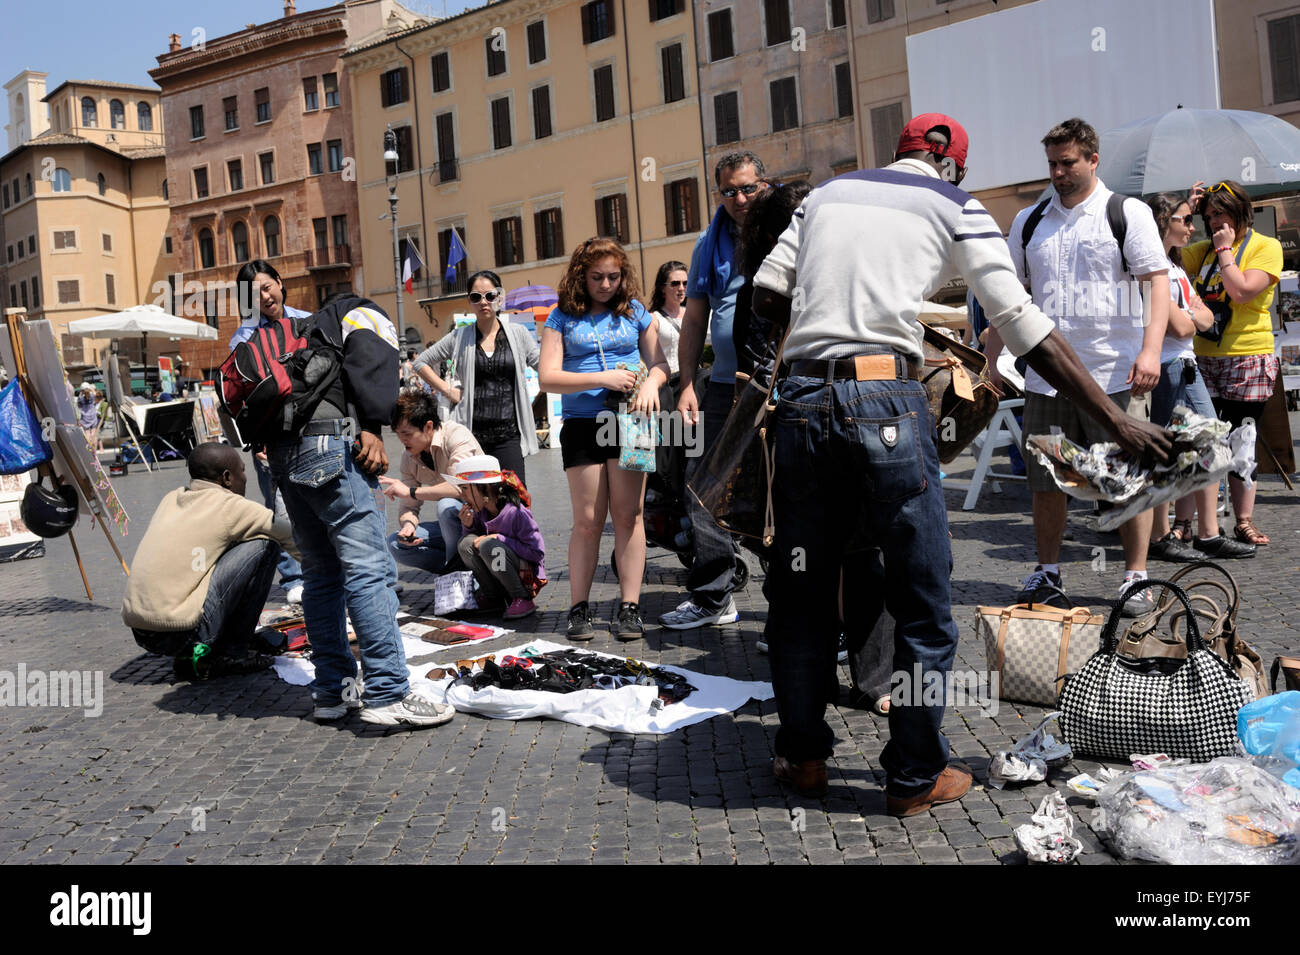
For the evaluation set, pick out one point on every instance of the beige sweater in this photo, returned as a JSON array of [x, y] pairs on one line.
[[192, 527]]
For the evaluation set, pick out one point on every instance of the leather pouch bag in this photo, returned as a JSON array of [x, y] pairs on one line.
[[961, 398]]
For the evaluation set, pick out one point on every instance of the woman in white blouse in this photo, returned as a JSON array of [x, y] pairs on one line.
[[668, 305]]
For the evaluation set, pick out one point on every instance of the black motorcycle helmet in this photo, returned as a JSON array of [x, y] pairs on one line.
[[49, 513]]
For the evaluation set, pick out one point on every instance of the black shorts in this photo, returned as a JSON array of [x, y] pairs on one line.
[[588, 440]]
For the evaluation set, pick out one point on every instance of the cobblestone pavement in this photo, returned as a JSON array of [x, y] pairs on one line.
[[235, 771]]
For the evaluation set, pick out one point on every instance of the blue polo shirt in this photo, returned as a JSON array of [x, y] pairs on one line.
[[724, 310], [619, 337]]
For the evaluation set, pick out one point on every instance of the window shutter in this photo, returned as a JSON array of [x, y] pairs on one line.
[[496, 241], [517, 240], [586, 24], [623, 228], [539, 235], [600, 217], [559, 231], [669, 219], [692, 207], [383, 89]]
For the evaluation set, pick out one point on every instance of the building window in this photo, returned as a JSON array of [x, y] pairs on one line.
[[13, 296], [31, 244], [239, 239], [262, 103], [785, 109], [835, 14], [89, 112], [340, 226], [878, 10], [445, 128], [603, 76], [6, 195], [167, 244], [843, 91], [335, 149], [536, 33], [22, 289], [405, 149], [65, 239], [105, 240], [271, 235], [662, 9], [69, 291], [36, 292], [207, 250], [331, 83], [495, 46], [501, 123], [776, 16], [681, 206], [508, 240], [100, 182], [110, 289], [886, 127], [310, 100], [440, 65], [27, 183], [597, 20], [144, 117], [9, 254], [459, 273], [611, 217], [321, 231], [196, 122], [116, 114], [230, 110], [721, 45], [674, 77], [549, 228], [200, 184], [542, 112], [20, 251], [314, 166], [726, 117], [1284, 58], [393, 87], [235, 174], [165, 190], [266, 163]]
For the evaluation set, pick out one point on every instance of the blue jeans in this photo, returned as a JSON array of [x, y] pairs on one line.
[[712, 574], [340, 529], [1172, 390], [856, 467], [437, 542], [290, 570]]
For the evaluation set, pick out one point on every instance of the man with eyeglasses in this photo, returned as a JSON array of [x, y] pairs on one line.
[[711, 289]]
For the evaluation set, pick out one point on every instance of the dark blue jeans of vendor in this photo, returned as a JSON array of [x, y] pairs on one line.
[[856, 463], [432, 550]]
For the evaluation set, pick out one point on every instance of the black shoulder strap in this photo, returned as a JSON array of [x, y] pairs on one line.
[[1118, 224], [1031, 223]]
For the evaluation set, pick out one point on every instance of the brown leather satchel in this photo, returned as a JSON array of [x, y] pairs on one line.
[[961, 398], [1215, 615]]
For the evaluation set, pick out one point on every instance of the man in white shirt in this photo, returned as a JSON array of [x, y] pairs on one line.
[[856, 464], [1075, 272]]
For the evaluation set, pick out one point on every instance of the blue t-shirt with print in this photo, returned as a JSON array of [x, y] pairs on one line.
[[724, 311], [619, 337]]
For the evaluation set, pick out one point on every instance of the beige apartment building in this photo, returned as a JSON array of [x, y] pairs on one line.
[[84, 217], [528, 126], [775, 79], [260, 160]]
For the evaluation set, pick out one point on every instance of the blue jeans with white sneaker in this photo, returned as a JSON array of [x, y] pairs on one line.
[[339, 527]]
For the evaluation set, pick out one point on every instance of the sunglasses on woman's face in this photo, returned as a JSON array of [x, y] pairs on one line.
[[1186, 220], [489, 297], [681, 284]]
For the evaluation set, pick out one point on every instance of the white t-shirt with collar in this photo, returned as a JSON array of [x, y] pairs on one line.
[[1076, 279]]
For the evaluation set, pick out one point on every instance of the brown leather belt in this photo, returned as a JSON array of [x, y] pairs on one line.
[[859, 368]]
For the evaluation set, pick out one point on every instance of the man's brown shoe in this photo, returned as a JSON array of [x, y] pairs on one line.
[[809, 777], [953, 783]]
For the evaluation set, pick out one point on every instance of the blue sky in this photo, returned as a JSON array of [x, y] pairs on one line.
[[97, 40]]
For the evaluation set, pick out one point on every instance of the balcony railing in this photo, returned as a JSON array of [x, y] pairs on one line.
[[329, 257]]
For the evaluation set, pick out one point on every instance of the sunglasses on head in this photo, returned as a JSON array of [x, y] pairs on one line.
[[489, 297], [748, 189], [1221, 187]]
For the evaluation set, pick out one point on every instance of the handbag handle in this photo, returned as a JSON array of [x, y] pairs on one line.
[[1109, 643], [1235, 597]]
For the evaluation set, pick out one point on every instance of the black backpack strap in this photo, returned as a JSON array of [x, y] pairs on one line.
[[1031, 223], [1118, 224]]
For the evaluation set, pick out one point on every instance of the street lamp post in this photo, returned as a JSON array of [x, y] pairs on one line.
[[390, 156]]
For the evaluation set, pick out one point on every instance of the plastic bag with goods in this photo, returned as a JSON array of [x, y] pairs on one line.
[[1271, 727], [1029, 760], [1228, 811], [1049, 835]]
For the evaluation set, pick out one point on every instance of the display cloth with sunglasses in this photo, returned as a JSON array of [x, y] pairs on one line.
[[493, 401]]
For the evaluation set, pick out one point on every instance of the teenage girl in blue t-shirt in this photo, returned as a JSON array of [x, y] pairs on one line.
[[598, 325]]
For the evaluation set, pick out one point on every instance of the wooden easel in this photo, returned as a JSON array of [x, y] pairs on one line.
[[47, 469]]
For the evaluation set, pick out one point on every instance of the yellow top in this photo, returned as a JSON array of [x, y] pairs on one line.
[[1250, 332]]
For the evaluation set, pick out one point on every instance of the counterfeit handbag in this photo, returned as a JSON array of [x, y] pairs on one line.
[[1033, 647]]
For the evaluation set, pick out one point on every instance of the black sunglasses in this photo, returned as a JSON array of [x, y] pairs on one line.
[[748, 189], [1186, 220]]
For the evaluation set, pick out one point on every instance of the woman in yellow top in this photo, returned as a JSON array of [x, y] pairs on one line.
[[1236, 273]]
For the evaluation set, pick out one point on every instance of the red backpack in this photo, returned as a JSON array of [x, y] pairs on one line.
[[257, 380]]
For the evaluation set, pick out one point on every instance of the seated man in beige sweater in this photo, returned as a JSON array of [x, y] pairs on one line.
[[201, 574]]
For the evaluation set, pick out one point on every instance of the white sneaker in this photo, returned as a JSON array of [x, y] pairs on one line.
[[327, 714], [690, 615], [294, 595], [761, 645], [414, 710]]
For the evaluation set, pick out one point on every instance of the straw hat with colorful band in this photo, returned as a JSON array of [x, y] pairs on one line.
[[476, 469]]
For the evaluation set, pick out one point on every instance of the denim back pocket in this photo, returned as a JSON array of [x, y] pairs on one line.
[[317, 460], [891, 455]]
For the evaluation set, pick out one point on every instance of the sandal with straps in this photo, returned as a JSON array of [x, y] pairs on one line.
[[1248, 533], [1183, 529]]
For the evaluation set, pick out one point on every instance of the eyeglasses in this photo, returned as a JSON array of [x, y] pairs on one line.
[[678, 284], [748, 189], [1186, 220], [1222, 187], [489, 297]]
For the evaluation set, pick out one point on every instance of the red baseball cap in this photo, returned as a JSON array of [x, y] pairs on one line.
[[913, 137]]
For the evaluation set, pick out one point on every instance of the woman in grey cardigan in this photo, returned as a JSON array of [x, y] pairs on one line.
[[490, 358]]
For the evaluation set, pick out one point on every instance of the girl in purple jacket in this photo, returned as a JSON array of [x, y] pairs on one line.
[[501, 542]]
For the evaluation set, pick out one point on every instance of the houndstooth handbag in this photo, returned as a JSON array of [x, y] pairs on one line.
[[1114, 706], [1033, 647]]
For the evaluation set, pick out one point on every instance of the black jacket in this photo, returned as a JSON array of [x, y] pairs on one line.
[[368, 386]]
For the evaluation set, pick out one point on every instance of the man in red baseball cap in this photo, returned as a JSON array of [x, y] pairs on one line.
[[941, 136]]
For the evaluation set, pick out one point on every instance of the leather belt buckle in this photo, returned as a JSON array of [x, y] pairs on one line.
[[874, 367]]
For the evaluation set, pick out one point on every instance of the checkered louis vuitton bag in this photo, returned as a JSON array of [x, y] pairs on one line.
[[1033, 647], [1115, 706]]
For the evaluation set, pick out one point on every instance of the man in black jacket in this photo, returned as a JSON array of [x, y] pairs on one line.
[[326, 471]]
